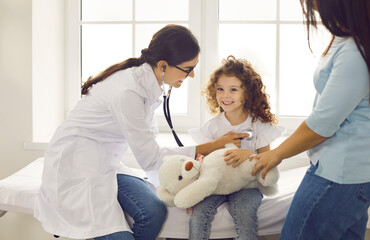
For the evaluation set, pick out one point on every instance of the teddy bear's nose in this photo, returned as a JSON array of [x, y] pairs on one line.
[[188, 166]]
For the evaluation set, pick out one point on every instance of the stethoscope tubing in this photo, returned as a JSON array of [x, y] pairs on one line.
[[167, 115], [166, 110]]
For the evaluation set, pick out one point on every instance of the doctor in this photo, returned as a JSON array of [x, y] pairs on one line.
[[85, 190]]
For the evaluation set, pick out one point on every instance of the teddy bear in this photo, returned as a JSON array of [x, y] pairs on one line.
[[183, 181]]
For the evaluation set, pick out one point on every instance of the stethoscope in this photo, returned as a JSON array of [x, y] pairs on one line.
[[250, 132], [166, 109]]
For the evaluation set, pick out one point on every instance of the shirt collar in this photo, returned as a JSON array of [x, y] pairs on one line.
[[151, 84]]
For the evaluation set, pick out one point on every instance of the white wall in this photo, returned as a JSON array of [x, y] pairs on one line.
[[31, 71], [16, 108], [16, 85], [48, 77]]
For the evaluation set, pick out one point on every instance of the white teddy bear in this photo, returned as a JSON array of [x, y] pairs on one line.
[[184, 181]]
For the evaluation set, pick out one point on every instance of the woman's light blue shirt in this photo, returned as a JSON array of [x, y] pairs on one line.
[[341, 112]]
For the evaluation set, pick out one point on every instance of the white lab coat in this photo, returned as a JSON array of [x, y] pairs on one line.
[[78, 195]]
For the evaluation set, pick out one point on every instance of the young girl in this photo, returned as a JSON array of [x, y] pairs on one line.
[[236, 93]]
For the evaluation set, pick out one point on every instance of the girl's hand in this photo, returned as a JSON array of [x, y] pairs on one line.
[[237, 156], [230, 137], [265, 162]]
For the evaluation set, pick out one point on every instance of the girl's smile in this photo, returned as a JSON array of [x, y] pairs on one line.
[[227, 103], [230, 94]]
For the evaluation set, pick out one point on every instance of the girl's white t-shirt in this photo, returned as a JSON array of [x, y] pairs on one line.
[[263, 133]]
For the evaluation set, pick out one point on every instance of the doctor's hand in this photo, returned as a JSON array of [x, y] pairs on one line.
[[265, 162], [220, 142], [237, 156], [231, 137]]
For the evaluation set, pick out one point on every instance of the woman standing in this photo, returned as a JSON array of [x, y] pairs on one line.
[[85, 190], [334, 196]]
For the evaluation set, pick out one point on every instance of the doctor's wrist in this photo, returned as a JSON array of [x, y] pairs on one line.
[[209, 147]]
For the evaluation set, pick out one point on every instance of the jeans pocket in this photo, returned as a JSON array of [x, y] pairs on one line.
[[364, 193]]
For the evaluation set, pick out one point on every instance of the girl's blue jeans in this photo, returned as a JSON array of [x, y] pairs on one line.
[[242, 206], [322, 209], [139, 201]]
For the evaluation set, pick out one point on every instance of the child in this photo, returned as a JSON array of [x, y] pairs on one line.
[[236, 93]]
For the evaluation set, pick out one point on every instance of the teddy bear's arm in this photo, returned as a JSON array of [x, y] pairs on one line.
[[196, 192], [165, 196]]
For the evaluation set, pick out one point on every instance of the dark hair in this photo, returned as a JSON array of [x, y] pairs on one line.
[[173, 43], [342, 18], [256, 104]]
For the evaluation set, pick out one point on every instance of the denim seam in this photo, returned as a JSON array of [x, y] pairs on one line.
[[207, 225], [359, 194], [205, 233], [141, 212], [235, 219], [312, 207]]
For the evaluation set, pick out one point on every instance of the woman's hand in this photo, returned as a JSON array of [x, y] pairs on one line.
[[237, 156], [265, 162], [220, 142], [301, 140], [230, 137]]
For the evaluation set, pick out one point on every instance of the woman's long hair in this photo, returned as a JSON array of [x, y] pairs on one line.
[[174, 44], [342, 18]]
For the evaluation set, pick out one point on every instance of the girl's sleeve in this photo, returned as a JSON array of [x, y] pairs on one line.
[[201, 135], [267, 133]]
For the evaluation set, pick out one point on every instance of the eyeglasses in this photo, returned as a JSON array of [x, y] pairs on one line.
[[187, 71]]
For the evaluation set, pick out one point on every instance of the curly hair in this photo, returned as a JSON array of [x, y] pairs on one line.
[[257, 104]]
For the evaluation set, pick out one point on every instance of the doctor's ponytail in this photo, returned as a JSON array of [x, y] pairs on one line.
[[173, 43], [131, 62]]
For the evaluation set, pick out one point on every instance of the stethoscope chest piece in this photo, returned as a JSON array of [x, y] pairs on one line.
[[250, 132]]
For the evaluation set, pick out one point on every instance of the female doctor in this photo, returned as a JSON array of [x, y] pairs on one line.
[[85, 190]]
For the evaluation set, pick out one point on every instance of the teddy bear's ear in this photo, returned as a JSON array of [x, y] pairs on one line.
[[165, 196]]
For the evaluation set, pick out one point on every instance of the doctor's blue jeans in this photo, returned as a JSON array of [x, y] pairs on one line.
[[322, 210], [139, 201]]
